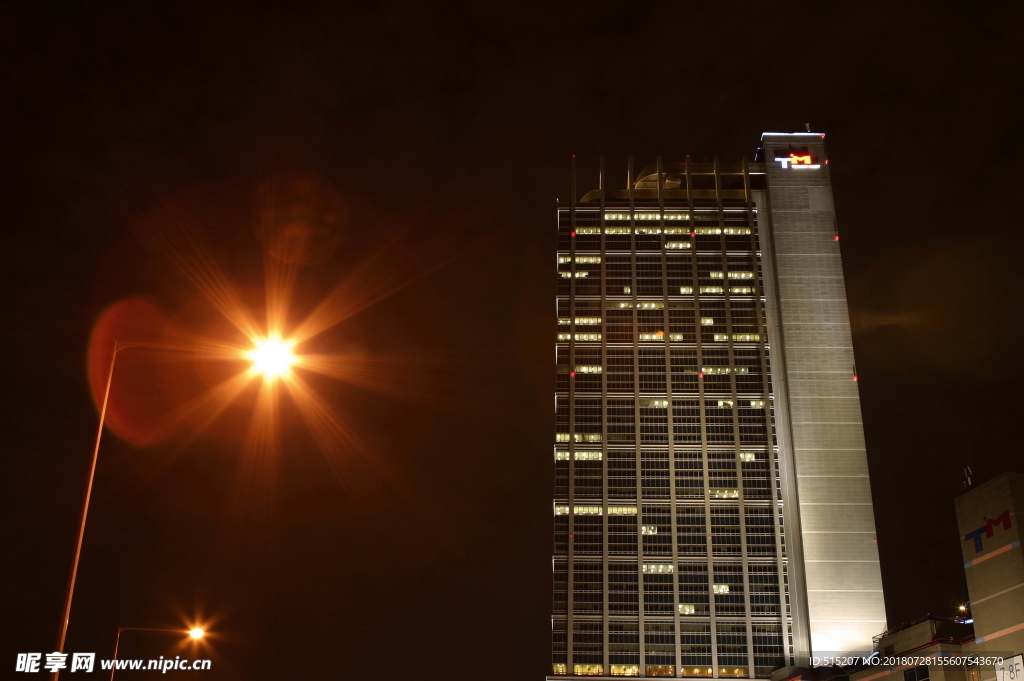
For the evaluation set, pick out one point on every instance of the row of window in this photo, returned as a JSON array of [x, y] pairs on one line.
[[673, 337], [730, 231], [590, 455]]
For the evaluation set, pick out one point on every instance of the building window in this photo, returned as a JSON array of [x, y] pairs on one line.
[[720, 588], [659, 568], [588, 456], [747, 456], [724, 493], [627, 289], [617, 230], [687, 608], [741, 290], [746, 337], [570, 275], [678, 245], [726, 404], [741, 275], [558, 668], [622, 510], [588, 369], [578, 437], [588, 669], [625, 670], [580, 336], [649, 305], [718, 336], [712, 289], [716, 275], [648, 529], [736, 230], [562, 321], [757, 404], [587, 230], [685, 290], [654, 404], [582, 259], [656, 336], [677, 336], [707, 321], [579, 509], [708, 230]]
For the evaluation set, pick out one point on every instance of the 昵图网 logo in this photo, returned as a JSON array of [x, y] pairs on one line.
[[988, 529]]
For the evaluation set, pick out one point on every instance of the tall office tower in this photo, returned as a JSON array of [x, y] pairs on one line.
[[712, 510]]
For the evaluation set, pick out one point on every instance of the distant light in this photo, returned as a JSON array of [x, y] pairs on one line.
[[853, 378], [572, 373], [963, 608], [572, 233], [272, 357], [835, 238], [196, 633], [700, 374], [969, 621]]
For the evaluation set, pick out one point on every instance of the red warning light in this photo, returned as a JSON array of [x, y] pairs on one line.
[[853, 378], [693, 233], [700, 374], [572, 233], [572, 373], [835, 238]]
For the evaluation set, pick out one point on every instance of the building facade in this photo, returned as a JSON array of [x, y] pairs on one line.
[[712, 509]]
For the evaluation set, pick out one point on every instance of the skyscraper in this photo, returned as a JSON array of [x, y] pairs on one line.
[[712, 509]]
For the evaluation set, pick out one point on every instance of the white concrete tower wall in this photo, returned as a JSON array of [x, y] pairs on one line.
[[821, 434]]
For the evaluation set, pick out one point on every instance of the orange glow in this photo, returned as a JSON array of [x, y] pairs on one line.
[[272, 357], [800, 160], [196, 633]]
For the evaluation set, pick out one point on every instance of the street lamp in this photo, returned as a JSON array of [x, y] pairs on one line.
[[272, 357], [195, 633]]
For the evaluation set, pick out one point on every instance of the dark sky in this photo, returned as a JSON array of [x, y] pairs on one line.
[[449, 128]]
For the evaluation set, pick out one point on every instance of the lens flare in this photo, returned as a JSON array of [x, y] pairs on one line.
[[272, 357], [196, 633]]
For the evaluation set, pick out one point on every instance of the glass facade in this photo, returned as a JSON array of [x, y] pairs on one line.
[[670, 545]]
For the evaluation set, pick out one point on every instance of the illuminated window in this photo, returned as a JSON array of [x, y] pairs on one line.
[[721, 336], [588, 320], [716, 275], [741, 370], [589, 369], [561, 509], [648, 230], [647, 216], [741, 290], [721, 588], [714, 371], [588, 669], [741, 337], [677, 336], [561, 455], [652, 336], [747, 456], [627, 289], [687, 609], [677, 230], [582, 259], [737, 230], [660, 670], [708, 230], [570, 275], [679, 245], [757, 404], [559, 668], [588, 456], [724, 493], [741, 275], [617, 230], [625, 670], [726, 404], [649, 305], [707, 321], [579, 509], [685, 290], [622, 510], [659, 568], [616, 216], [586, 230], [580, 336], [648, 529], [620, 305], [712, 289], [578, 437], [654, 404]]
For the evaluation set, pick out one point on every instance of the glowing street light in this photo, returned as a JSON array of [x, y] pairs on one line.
[[272, 357], [196, 633]]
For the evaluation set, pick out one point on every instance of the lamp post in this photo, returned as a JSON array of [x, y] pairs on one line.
[[195, 633], [118, 346]]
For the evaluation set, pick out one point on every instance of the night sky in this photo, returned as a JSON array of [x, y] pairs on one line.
[[437, 137]]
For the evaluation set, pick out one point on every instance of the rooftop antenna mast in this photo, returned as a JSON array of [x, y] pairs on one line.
[[968, 482]]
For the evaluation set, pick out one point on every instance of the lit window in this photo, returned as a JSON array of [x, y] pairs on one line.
[[726, 404], [580, 336], [677, 230], [627, 289], [721, 336], [620, 305], [588, 669], [648, 230], [561, 456], [724, 493], [677, 336], [721, 588], [616, 216], [570, 275], [652, 336], [685, 290], [588, 509], [625, 670], [708, 230], [737, 230], [616, 230], [579, 320], [622, 510], [649, 305], [687, 609], [648, 529], [741, 370], [582, 259], [712, 371], [746, 337], [578, 437], [654, 404], [589, 369], [561, 509], [587, 230], [747, 456], [742, 290], [707, 321], [588, 456], [716, 275], [712, 289], [741, 275], [757, 404], [678, 245], [659, 568]]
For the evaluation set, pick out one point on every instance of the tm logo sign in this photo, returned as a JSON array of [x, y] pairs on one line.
[[988, 529]]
